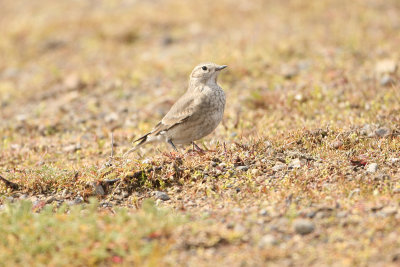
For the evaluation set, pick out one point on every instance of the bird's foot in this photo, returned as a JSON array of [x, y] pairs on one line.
[[192, 152], [196, 149], [174, 155]]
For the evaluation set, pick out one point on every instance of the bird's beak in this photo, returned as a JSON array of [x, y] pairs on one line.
[[220, 67]]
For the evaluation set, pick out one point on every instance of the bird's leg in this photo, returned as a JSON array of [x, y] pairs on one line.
[[172, 144], [198, 149]]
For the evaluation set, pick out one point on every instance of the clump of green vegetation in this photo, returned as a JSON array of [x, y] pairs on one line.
[[84, 236]]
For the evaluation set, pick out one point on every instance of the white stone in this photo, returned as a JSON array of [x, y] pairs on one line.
[[372, 167]]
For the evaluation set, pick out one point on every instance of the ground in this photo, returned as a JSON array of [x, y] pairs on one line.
[[303, 171]]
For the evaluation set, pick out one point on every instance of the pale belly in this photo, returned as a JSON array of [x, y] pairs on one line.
[[196, 129], [199, 125]]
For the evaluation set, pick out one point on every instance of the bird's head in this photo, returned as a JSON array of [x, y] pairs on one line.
[[206, 72]]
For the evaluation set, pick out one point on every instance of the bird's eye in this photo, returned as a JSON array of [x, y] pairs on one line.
[[204, 68]]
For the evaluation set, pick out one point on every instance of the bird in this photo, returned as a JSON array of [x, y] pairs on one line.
[[194, 115]]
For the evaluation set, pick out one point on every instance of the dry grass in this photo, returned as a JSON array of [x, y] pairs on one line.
[[312, 101]]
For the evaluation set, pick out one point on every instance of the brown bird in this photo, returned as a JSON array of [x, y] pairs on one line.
[[196, 114]]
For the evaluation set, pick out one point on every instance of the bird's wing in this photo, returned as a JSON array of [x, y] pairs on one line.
[[179, 112]]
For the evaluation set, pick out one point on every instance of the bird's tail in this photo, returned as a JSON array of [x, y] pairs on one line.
[[145, 139]]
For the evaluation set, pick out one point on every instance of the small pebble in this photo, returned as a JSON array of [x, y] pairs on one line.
[[386, 80], [125, 194], [21, 117], [237, 210], [106, 204], [382, 132], [372, 167], [167, 40], [72, 148], [242, 168], [64, 193], [78, 200], [230, 225], [50, 199], [296, 163], [267, 144], [299, 97], [386, 66], [111, 117], [98, 189], [267, 240], [337, 144], [279, 166], [118, 197], [389, 211], [146, 161], [354, 192], [396, 191], [254, 172], [367, 130], [289, 71], [222, 165], [162, 195], [10, 199], [303, 227], [15, 146], [263, 212]]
